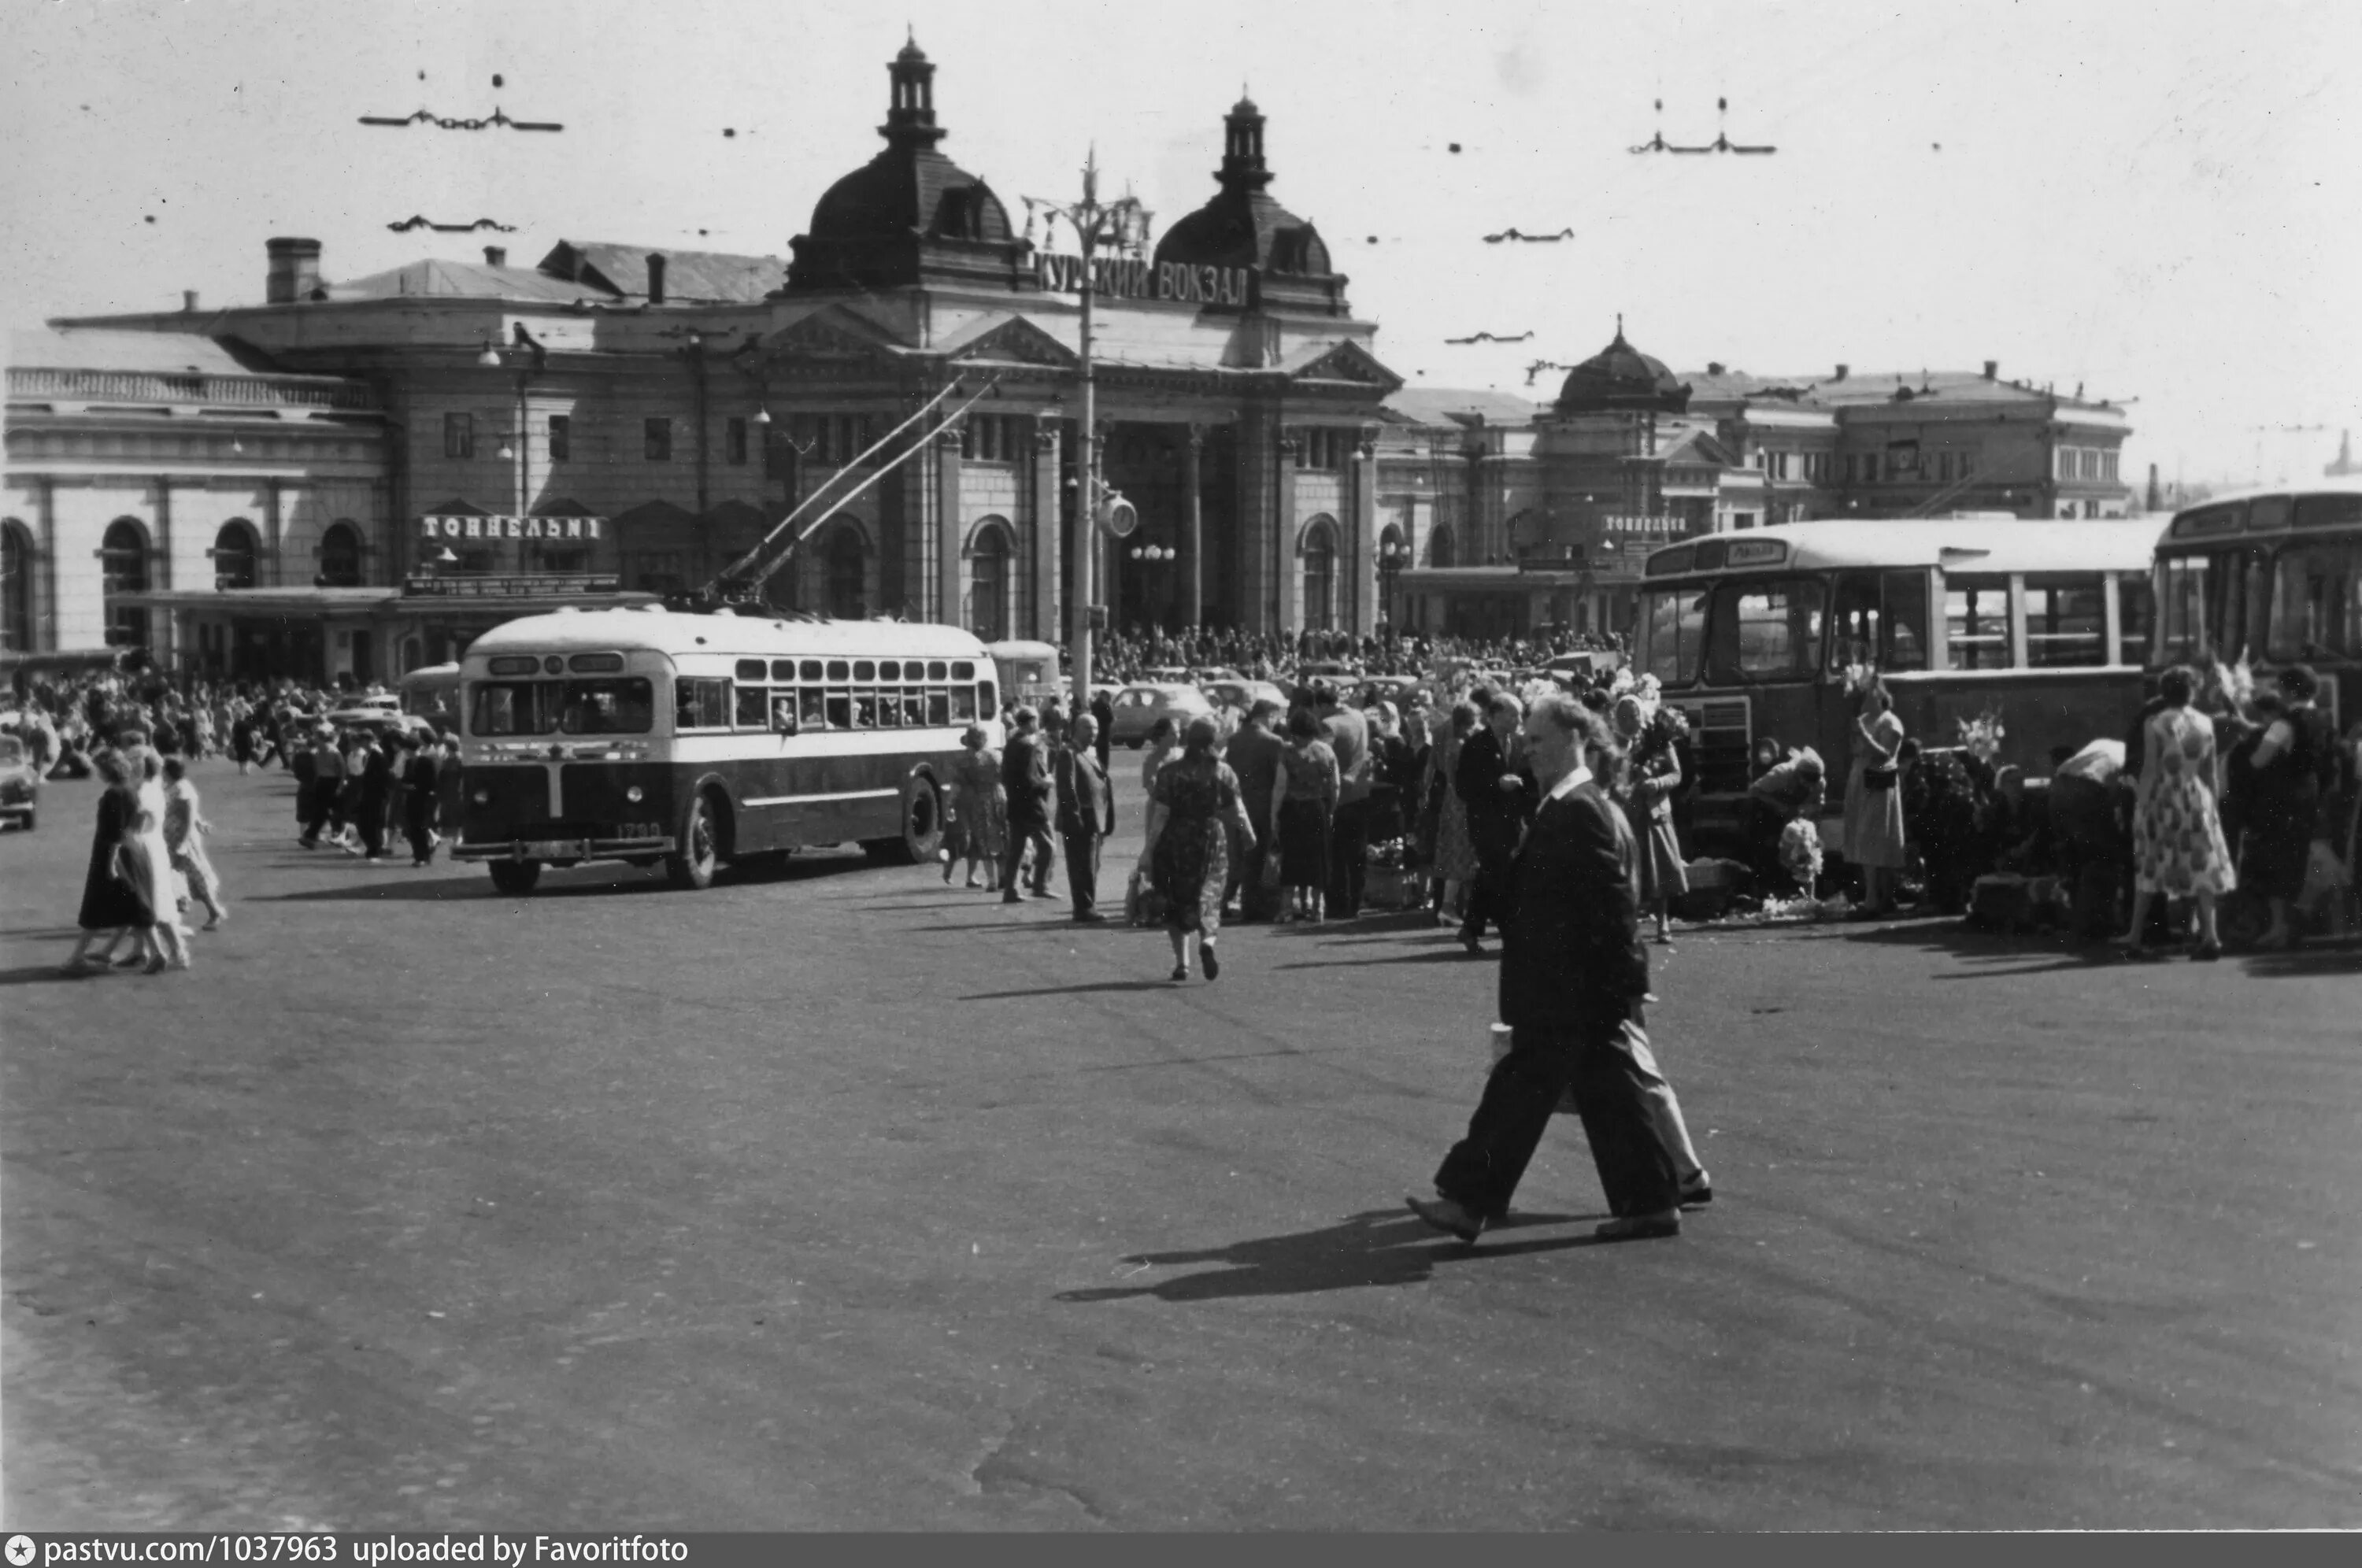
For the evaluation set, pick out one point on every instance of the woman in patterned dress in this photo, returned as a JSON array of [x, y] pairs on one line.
[[980, 809], [2178, 846], [1193, 809]]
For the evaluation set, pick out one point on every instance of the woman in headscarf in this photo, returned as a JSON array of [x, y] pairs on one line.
[[1194, 808], [980, 808]]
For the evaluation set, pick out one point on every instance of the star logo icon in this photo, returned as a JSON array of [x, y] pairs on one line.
[[21, 1550]]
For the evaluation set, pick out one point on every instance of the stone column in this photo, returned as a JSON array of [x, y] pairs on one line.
[[1258, 530], [1049, 537], [944, 537], [274, 523], [1191, 565], [44, 629], [1363, 610], [1290, 601]]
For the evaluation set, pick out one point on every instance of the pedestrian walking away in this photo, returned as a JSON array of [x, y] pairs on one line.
[[1025, 778], [1192, 814], [1573, 972], [184, 837]]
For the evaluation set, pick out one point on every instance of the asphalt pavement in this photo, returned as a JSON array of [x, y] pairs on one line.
[[834, 1196]]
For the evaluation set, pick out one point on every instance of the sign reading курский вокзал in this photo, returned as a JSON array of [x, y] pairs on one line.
[[1134, 277]]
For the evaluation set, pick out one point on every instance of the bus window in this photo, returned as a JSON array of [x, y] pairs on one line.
[[699, 704], [2136, 617], [1976, 617], [812, 709], [962, 669], [963, 704], [889, 670], [2066, 622], [809, 670], [2186, 583], [937, 669], [1764, 631], [939, 706], [840, 710], [783, 669], [838, 670], [1673, 630], [754, 710], [1855, 621], [889, 710], [783, 712], [985, 705], [2315, 609], [511, 708], [864, 710], [2238, 601], [865, 670], [624, 706], [752, 670]]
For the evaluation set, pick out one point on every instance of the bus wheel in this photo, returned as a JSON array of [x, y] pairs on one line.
[[922, 828], [693, 867], [515, 876]]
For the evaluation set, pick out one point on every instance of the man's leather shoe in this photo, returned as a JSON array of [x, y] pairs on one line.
[[1641, 1227], [1449, 1216]]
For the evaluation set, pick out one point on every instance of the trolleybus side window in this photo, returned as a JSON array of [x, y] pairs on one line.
[[1765, 631], [2136, 617], [754, 706], [939, 706], [1881, 619], [1673, 630], [963, 704], [784, 720], [701, 704], [2066, 622], [621, 706], [1976, 621], [811, 708], [986, 707]]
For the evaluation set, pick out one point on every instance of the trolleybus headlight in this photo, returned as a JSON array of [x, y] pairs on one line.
[[634, 794]]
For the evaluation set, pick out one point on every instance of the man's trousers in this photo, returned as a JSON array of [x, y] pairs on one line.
[[1082, 869]]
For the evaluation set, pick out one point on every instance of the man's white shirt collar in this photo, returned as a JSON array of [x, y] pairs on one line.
[[1571, 783]]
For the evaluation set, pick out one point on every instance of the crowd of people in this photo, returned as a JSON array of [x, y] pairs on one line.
[[1127, 655]]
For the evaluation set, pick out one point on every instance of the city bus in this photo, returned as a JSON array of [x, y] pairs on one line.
[[432, 693], [2045, 626], [645, 734], [2268, 575]]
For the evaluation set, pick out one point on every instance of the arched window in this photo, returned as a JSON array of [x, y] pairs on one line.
[[1320, 576], [340, 556], [123, 569], [1439, 547], [988, 584], [847, 569], [16, 586], [235, 550]]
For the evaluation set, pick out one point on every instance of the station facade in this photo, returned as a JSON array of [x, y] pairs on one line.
[[611, 420]]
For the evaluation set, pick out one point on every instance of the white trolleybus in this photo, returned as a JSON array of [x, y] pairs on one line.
[[645, 735], [2271, 575], [1752, 634]]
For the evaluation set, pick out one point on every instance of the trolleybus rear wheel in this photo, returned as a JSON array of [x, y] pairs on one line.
[[515, 876], [922, 828], [701, 852]]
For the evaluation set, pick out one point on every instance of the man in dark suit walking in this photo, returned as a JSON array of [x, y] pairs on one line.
[[1572, 975], [1495, 784], [1025, 778], [1085, 816]]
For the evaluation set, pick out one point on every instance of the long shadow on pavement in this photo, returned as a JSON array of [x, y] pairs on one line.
[[1075, 990], [1453, 954], [446, 888], [1377, 1247]]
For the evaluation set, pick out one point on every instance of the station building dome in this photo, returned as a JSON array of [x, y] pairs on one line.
[[1244, 225], [1619, 379]]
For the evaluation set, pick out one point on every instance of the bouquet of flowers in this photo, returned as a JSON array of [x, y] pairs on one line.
[[1980, 737], [1800, 853]]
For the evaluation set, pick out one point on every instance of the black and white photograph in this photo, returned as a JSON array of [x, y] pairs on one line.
[[776, 766]]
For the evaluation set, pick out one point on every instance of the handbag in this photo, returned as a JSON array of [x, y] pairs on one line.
[[1268, 876], [1880, 777]]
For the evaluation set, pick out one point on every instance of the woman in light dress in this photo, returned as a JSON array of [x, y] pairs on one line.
[[184, 830], [147, 863], [1874, 801], [2178, 844], [1455, 853]]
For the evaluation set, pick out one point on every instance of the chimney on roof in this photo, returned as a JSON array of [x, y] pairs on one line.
[[189, 300], [1842, 373], [1714, 366], [496, 256], [2154, 501], [1993, 369], [655, 278], [294, 271]]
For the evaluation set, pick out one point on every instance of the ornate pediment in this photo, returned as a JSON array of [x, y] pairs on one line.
[[831, 333], [1348, 363], [1014, 340]]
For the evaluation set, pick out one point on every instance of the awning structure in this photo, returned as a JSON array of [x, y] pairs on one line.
[[279, 601], [467, 596]]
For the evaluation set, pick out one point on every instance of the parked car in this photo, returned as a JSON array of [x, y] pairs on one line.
[[1592, 664], [388, 723], [1137, 709], [20, 784], [1241, 694]]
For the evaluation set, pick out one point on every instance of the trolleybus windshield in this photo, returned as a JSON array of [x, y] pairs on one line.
[[622, 705]]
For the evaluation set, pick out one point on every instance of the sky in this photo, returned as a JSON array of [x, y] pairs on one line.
[[2156, 200]]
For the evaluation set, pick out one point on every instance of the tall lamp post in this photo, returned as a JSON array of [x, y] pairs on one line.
[[1121, 224], [1392, 557], [531, 359]]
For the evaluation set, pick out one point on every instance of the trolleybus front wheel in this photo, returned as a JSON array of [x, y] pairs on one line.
[[701, 848], [516, 877]]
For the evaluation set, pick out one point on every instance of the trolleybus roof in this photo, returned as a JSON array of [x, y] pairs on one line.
[[668, 631], [1961, 545]]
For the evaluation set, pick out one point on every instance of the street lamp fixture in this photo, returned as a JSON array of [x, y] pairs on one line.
[[1154, 555], [490, 357]]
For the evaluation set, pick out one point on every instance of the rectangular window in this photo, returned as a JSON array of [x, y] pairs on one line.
[[657, 439], [2136, 617], [561, 437], [811, 709], [1764, 631], [938, 707], [734, 442], [1976, 619], [701, 704], [1967, 464], [840, 710], [963, 704], [458, 434], [753, 708], [1673, 630], [2108, 473], [621, 706], [2066, 622], [783, 712], [1880, 619], [2316, 613], [2186, 593]]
